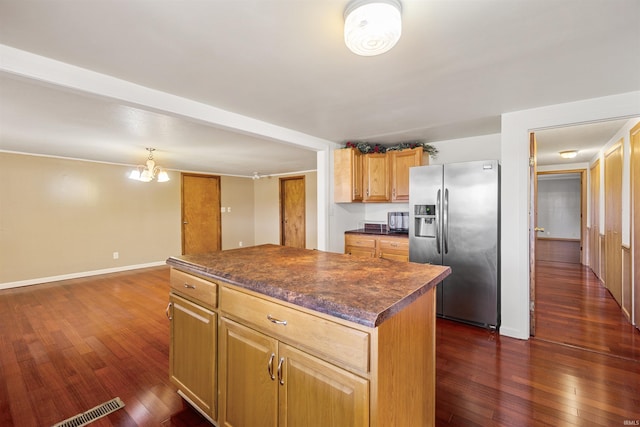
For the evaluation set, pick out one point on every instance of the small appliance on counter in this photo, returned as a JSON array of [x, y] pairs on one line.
[[375, 227], [398, 222]]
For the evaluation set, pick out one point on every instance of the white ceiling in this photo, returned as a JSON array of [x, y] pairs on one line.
[[237, 86]]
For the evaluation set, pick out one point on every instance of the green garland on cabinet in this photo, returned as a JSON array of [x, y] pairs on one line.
[[369, 147]]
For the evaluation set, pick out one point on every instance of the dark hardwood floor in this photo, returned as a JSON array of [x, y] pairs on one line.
[[66, 347]]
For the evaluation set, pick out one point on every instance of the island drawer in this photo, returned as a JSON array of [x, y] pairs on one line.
[[331, 341], [194, 287]]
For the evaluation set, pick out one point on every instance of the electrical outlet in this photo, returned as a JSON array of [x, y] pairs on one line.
[[240, 243], [116, 255], [223, 209], [229, 209]]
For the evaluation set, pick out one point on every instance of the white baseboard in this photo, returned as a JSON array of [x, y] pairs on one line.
[[513, 333], [41, 280]]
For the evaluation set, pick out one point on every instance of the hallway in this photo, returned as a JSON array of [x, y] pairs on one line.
[[575, 309], [582, 368]]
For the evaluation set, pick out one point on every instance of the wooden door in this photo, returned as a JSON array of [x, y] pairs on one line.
[[375, 171], [533, 230], [401, 161], [192, 356], [201, 228], [594, 233], [339, 397], [635, 220], [248, 377], [292, 212], [613, 221]]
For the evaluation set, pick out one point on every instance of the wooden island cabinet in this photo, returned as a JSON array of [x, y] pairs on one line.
[[312, 338], [192, 355]]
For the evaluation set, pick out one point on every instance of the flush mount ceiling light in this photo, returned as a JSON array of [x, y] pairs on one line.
[[569, 154], [372, 27], [150, 171]]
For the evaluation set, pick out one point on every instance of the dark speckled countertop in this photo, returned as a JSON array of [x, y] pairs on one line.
[[379, 232], [362, 290]]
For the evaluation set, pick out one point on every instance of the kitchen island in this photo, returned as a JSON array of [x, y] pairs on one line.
[[304, 337]]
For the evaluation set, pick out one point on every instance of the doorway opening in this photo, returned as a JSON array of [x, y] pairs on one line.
[[562, 213]]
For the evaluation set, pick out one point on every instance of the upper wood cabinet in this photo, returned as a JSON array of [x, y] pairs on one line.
[[401, 161], [374, 177], [347, 175], [375, 171]]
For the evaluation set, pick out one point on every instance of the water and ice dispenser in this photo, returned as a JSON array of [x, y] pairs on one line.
[[425, 218]]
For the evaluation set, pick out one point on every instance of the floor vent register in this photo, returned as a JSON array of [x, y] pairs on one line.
[[92, 414]]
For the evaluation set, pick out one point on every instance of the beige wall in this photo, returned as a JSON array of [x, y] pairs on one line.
[[267, 214], [238, 225], [61, 217]]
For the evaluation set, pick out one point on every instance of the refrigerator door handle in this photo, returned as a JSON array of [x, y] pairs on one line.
[[438, 221], [445, 222]]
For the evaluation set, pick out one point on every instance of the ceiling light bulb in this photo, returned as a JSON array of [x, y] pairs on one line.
[[372, 27], [163, 176], [135, 174], [569, 154]]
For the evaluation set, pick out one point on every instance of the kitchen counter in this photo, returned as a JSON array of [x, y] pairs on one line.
[[364, 291], [379, 232]]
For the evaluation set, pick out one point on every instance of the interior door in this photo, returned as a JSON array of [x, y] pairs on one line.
[[635, 221], [292, 212], [533, 230], [201, 228], [613, 221], [594, 236]]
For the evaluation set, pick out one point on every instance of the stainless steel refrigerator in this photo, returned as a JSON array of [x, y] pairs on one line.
[[454, 220]]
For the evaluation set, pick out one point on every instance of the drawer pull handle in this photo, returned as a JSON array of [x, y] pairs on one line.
[[280, 373], [170, 317], [188, 286], [276, 321], [270, 366]]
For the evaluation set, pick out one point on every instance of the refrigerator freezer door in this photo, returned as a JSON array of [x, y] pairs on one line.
[[424, 184], [425, 219], [471, 239]]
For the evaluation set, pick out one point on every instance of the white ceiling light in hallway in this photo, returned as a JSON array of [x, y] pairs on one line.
[[372, 27], [150, 171]]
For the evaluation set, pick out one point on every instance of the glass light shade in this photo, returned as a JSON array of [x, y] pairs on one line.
[[146, 176], [568, 154], [135, 174], [372, 27], [163, 176]]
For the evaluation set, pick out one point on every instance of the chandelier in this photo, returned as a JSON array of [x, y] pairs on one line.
[[150, 171], [372, 27]]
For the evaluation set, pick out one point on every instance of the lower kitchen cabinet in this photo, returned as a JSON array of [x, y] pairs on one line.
[[192, 353], [341, 398], [266, 383], [377, 246]]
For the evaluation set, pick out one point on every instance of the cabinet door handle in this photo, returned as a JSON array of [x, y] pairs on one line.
[[276, 321], [270, 366], [280, 373], [188, 286], [167, 311]]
